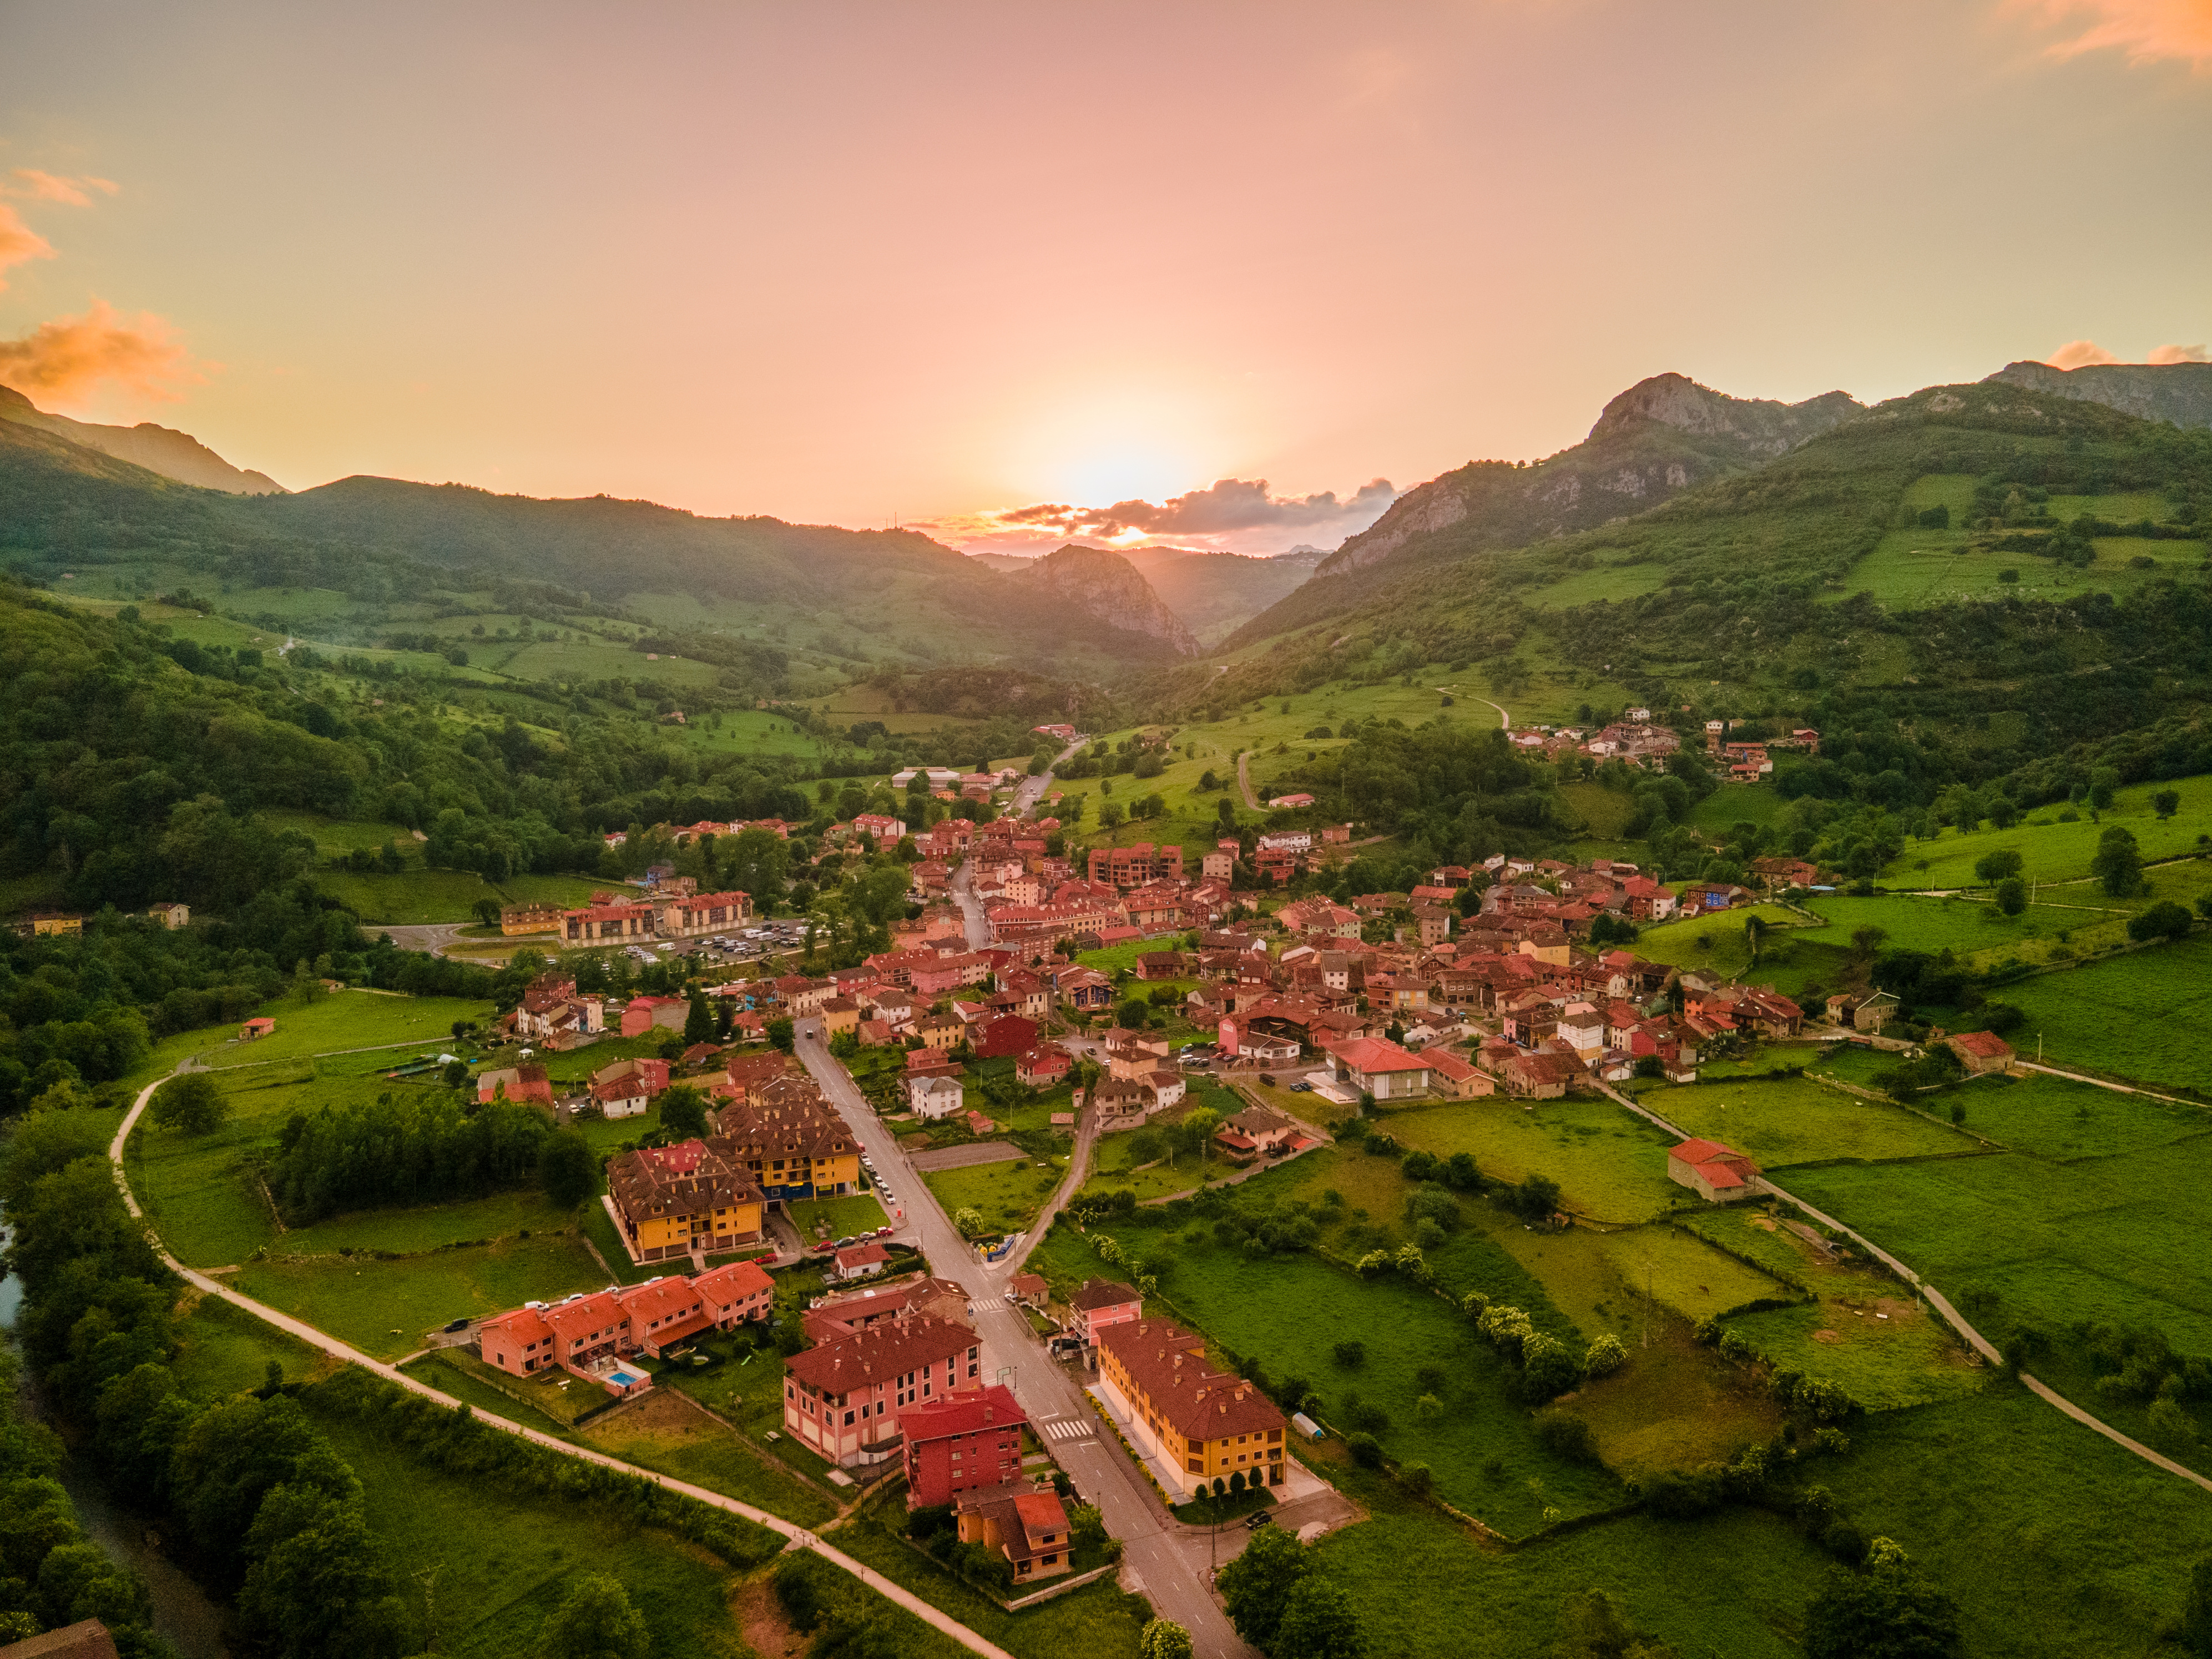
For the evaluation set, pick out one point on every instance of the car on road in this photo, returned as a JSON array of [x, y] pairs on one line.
[[460, 1324], [847, 1243], [1262, 1519], [825, 1247], [883, 1232]]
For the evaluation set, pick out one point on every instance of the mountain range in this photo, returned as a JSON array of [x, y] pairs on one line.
[[893, 597]]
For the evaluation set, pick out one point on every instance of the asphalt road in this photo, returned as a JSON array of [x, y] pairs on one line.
[[1161, 1557]]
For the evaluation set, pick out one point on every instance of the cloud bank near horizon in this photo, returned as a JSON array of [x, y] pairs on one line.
[[1230, 515]]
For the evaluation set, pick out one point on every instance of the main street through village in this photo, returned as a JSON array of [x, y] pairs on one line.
[[1165, 1559]]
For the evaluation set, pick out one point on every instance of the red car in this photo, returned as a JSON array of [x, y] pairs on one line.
[[825, 1247]]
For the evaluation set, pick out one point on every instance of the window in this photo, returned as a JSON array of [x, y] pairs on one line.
[[848, 1419]]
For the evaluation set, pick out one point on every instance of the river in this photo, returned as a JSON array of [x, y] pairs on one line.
[[183, 1614]]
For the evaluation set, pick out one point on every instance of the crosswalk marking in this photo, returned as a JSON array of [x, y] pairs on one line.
[[1065, 1428]]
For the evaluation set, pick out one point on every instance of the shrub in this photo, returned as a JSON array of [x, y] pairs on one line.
[[1417, 1479], [1567, 1437], [1366, 1450], [1605, 1356], [1548, 1368], [1350, 1354]]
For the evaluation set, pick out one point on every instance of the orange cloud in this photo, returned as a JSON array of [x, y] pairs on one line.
[[70, 355], [2146, 30], [2077, 354], [19, 242], [2179, 354], [38, 187]]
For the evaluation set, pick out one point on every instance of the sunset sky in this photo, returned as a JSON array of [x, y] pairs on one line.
[[943, 263]]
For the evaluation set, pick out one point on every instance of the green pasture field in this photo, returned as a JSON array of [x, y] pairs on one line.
[[503, 1559], [1912, 569], [1887, 1354], [415, 897], [344, 834], [386, 1308], [1369, 1213], [1675, 1404], [506, 1560], [1737, 803], [1677, 1270], [1605, 811], [1787, 959], [1784, 1121], [200, 1192], [587, 659], [2097, 1545], [333, 1024], [429, 1227], [1615, 582], [1008, 1195], [2142, 1016], [837, 1217], [1937, 924], [1287, 1311], [2054, 852], [2117, 1239], [1100, 1620], [2055, 1118], [1608, 1164], [753, 732]]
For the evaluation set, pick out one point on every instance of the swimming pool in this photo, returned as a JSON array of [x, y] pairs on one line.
[[623, 1377]]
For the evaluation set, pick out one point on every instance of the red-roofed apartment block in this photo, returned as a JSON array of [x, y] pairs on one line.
[[960, 1443]]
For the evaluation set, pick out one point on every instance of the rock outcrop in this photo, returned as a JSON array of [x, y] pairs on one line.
[[2180, 392], [1662, 435], [1110, 591]]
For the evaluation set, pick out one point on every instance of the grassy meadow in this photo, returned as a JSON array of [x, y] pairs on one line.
[[1778, 1121]]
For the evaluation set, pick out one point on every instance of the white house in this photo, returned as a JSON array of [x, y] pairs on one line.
[[934, 1096]]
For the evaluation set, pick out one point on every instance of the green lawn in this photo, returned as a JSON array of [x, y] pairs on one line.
[[837, 1217], [2140, 1016], [1912, 568], [386, 1308], [1784, 1121], [1608, 1164], [1008, 1195]]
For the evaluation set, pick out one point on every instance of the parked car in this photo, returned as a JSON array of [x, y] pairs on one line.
[[1268, 1080], [825, 1247], [1302, 1088], [883, 1232], [847, 1243], [460, 1324]]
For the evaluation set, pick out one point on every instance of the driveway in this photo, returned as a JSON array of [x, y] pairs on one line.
[[431, 937], [1156, 1559]]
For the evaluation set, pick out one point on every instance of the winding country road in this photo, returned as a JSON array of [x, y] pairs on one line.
[[1937, 1299], [797, 1537]]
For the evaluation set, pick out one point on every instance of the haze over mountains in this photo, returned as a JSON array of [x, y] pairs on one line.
[[172, 454]]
